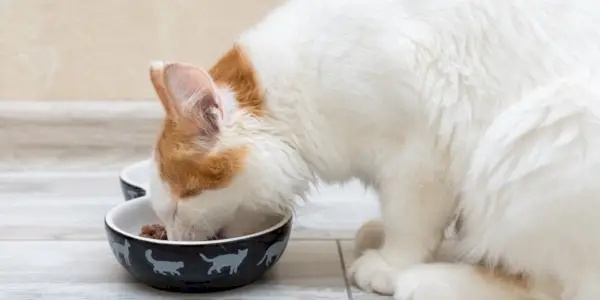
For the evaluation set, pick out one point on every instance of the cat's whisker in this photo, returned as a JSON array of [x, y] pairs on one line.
[[212, 232], [206, 226]]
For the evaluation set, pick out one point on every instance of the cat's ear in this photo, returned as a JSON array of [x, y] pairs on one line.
[[188, 94]]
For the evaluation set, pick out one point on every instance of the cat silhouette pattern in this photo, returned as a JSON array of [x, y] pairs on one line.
[[121, 250], [231, 261], [271, 253], [162, 266]]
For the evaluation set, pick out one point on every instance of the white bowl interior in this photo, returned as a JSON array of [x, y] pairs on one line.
[[137, 174], [131, 215], [128, 218]]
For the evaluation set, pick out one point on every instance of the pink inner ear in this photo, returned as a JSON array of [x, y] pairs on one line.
[[193, 94], [187, 83]]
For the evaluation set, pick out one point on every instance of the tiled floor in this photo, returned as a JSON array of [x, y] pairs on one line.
[[54, 220], [59, 167], [346, 252]]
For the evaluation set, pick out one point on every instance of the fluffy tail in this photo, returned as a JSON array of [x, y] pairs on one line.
[[206, 259], [149, 256], [465, 282]]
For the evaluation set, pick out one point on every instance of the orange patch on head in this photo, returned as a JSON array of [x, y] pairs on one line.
[[235, 71], [189, 169], [190, 129]]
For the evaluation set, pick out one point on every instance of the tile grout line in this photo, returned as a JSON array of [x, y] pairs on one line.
[[343, 264]]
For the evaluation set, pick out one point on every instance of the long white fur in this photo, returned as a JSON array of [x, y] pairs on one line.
[[484, 106]]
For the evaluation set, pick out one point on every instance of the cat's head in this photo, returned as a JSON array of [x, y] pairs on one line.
[[216, 155], [243, 252]]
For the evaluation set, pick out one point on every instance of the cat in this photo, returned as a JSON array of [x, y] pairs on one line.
[[481, 111], [272, 252], [122, 250], [164, 267], [231, 261]]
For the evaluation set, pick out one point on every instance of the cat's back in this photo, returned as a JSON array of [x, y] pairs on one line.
[[299, 23], [523, 29], [538, 35], [323, 49]]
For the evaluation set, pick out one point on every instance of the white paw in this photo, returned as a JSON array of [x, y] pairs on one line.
[[433, 282], [371, 273]]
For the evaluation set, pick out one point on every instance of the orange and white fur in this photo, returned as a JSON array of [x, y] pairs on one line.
[[484, 110]]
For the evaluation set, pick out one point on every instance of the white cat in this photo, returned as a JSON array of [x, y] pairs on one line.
[[485, 109]]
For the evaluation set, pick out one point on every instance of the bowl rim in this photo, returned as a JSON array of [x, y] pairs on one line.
[[125, 176], [108, 220]]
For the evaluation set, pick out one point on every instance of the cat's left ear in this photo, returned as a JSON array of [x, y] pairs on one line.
[[188, 94]]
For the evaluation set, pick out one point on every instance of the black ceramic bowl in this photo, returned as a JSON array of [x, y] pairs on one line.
[[192, 267], [133, 180]]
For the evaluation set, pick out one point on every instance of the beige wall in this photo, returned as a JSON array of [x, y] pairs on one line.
[[100, 49]]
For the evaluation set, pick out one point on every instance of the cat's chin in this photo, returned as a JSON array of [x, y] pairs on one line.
[[245, 224], [195, 236], [219, 235], [249, 224]]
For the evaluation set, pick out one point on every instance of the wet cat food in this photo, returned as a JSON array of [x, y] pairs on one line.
[[154, 231], [159, 232]]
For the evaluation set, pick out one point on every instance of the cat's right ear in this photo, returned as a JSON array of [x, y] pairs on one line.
[[187, 94]]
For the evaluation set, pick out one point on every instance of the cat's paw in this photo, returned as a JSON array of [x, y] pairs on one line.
[[372, 273], [439, 282]]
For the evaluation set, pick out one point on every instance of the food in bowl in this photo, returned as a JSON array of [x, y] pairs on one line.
[[159, 232], [190, 266], [154, 231]]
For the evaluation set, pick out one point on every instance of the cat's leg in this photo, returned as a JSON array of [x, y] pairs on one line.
[[443, 281], [369, 236], [417, 202], [531, 200]]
